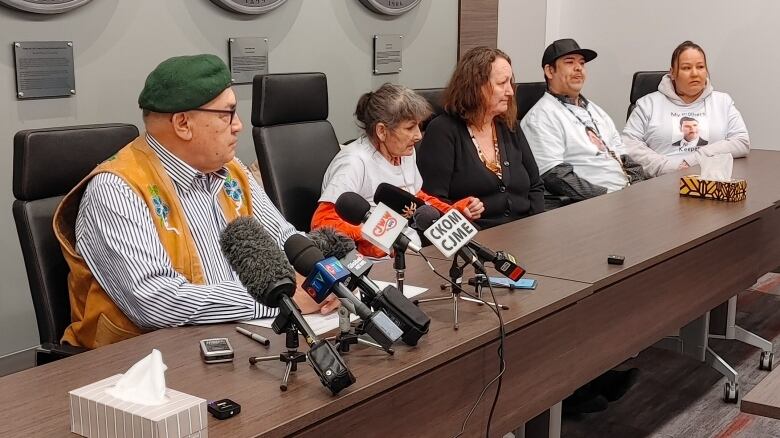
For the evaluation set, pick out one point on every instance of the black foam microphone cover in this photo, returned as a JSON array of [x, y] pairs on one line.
[[398, 199], [424, 217], [255, 256], [302, 253], [353, 208], [331, 242]]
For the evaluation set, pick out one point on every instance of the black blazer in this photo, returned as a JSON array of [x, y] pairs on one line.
[[451, 170]]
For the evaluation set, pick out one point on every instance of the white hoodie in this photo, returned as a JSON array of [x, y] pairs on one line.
[[653, 136]]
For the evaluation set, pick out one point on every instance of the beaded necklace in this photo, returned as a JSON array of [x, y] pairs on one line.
[[493, 165]]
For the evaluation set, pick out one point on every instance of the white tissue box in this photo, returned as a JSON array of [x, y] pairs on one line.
[[94, 413]]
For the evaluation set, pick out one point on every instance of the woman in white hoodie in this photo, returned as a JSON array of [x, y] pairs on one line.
[[685, 119]]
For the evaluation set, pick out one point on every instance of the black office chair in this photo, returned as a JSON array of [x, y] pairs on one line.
[[435, 97], [294, 141], [526, 96], [643, 83], [47, 164]]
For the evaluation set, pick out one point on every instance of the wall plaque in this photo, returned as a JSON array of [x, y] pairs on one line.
[[248, 58], [390, 7], [251, 7], [44, 69], [387, 54], [44, 6]]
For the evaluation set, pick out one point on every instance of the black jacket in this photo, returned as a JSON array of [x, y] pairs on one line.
[[451, 170]]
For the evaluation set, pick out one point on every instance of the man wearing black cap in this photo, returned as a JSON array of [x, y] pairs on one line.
[[576, 146], [580, 155], [141, 232]]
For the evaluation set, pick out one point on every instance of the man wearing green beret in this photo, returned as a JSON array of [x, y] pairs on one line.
[[141, 232]]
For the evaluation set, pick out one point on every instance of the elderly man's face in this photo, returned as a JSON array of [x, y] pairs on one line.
[[568, 76], [690, 129], [214, 135]]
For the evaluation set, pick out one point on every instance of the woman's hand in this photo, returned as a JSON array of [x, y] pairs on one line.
[[474, 209]]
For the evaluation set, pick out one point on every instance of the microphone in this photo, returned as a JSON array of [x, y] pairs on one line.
[[412, 321], [427, 221], [270, 280], [398, 199], [451, 234], [383, 227], [331, 242], [504, 262], [325, 276], [424, 216]]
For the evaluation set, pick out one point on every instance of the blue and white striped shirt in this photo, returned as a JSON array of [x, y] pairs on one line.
[[119, 242]]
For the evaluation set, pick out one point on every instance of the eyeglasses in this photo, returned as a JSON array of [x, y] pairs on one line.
[[232, 112]]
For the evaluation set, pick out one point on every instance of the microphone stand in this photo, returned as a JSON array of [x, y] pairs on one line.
[[347, 336], [456, 275], [292, 357], [399, 264]]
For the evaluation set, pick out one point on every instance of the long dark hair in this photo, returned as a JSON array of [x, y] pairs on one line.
[[465, 93]]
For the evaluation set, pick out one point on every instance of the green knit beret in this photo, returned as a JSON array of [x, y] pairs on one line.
[[183, 83]]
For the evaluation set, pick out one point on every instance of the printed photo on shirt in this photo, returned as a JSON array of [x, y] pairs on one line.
[[691, 132], [595, 139]]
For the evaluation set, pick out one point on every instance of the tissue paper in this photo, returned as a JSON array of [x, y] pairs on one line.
[[143, 383], [717, 167], [96, 414]]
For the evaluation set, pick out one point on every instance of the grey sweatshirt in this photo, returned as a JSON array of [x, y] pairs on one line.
[[657, 136]]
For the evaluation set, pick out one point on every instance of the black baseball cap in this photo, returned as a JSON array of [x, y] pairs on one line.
[[565, 47]]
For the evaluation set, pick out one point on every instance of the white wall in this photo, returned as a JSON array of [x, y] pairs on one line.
[[521, 34], [117, 43], [740, 39]]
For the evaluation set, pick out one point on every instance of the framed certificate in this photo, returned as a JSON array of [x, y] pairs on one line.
[[390, 7], [249, 7], [44, 6]]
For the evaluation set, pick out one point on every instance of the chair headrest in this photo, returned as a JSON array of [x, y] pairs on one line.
[[527, 94], [49, 162], [435, 97], [289, 98], [645, 82]]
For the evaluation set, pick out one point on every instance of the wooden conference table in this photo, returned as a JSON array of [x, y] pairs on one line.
[[764, 398], [683, 257]]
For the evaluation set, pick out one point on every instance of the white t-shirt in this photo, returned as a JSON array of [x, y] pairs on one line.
[[360, 168], [556, 136]]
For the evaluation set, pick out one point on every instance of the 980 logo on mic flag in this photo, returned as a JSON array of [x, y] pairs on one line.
[[451, 232], [383, 227], [386, 223]]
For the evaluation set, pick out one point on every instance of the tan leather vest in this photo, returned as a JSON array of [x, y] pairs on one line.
[[96, 320]]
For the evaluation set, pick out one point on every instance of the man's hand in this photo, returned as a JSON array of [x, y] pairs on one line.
[[474, 210], [308, 305]]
